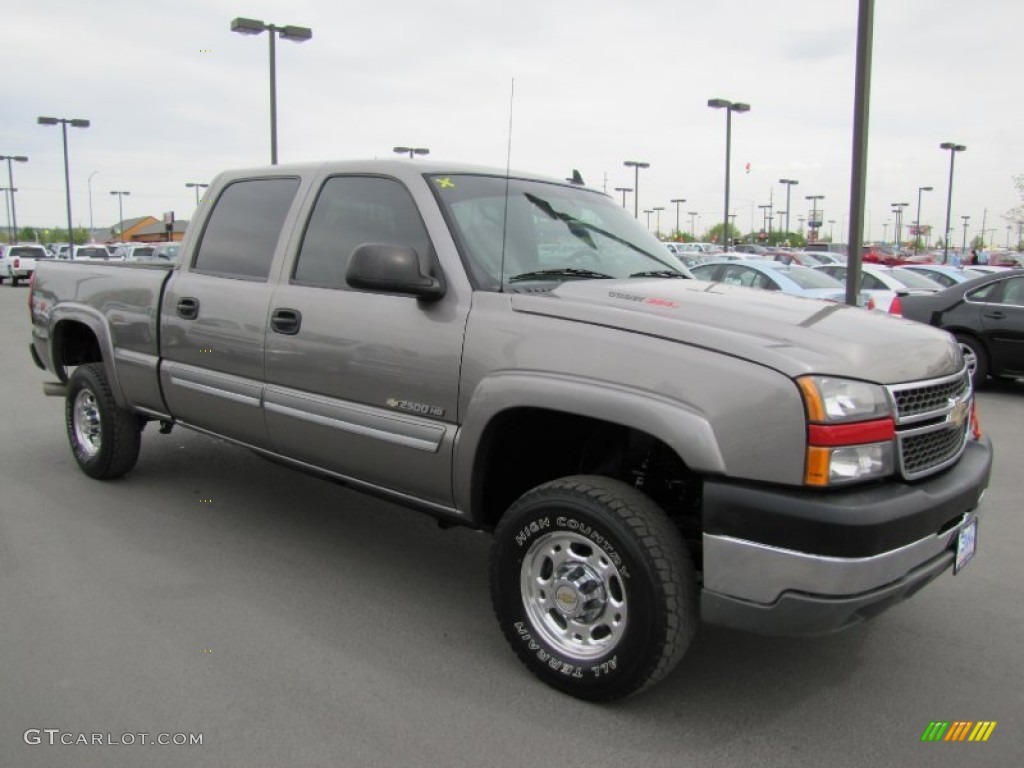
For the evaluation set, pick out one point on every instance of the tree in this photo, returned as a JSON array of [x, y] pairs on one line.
[[714, 235]]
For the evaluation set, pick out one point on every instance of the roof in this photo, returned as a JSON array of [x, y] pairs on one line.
[[160, 228]]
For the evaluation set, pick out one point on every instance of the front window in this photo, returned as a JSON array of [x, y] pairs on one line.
[[511, 232]]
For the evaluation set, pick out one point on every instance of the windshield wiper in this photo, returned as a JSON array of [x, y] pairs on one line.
[[540, 274], [661, 273]]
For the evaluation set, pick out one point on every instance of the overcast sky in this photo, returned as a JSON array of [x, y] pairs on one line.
[[174, 97]]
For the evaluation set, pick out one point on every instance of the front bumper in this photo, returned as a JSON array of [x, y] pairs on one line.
[[793, 563]]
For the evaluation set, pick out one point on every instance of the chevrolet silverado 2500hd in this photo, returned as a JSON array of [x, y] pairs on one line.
[[519, 355]]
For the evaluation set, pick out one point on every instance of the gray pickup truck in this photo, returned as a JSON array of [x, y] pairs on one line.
[[519, 355]]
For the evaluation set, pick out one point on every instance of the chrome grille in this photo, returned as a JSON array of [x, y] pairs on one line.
[[932, 423], [917, 400], [932, 449]]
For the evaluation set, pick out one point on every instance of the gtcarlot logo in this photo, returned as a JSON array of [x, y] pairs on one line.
[[55, 736]]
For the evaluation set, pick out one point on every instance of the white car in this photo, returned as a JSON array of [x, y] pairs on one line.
[[18, 262], [886, 284]]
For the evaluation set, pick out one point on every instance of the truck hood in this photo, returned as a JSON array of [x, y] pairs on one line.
[[793, 335]]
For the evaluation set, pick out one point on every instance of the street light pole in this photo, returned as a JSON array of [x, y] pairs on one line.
[[814, 223], [897, 208], [729, 107], [657, 227], [918, 223], [963, 248], [8, 194], [196, 186], [692, 214], [288, 32], [120, 207], [636, 165], [89, 184], [10, 183], [677, 201], [789, 186], [75, 123], [411, 151], [648, 211], [953, 148], [623, 190]]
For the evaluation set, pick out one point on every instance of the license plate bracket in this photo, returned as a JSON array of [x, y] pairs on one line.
[[966, 544]]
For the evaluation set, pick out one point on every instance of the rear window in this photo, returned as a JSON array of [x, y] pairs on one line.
[[914, 280], [808, 278], [92, 253], [27, 252]]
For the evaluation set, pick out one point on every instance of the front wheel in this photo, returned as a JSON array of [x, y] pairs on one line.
[[975, 357], [593, 587], [105, 438]]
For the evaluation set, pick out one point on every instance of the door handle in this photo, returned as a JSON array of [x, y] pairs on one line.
[[188, 308], [286, 321], [995, 315]]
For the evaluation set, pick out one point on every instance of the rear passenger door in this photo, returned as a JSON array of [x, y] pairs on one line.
[[214, 311], [363, 384], [1002, 317]]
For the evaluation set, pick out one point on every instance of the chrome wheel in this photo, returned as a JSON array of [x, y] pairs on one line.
[[87, 423], [970, 358], [573, 595]]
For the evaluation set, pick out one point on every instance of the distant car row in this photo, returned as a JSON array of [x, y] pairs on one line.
[[18, 262]]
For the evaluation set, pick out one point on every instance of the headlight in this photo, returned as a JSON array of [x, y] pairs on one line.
[[850, 432], [832, 400]]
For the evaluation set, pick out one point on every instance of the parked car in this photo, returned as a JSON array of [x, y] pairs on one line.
[[793, 279], [758, 251], [18, 262], [163, 252], [133, 252], [886, 285], [986, 314], [945, 275], [91, 252]]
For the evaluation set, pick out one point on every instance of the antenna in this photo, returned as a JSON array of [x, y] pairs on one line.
[[508, 171]]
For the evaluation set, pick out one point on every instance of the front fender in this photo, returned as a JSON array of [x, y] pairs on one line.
[[683, 429]]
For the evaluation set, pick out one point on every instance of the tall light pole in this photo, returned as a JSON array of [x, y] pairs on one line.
[[764, 221], [410, 151], [815, 222], [729, 107], [789, 186], [692, 214], [10, 184], [623, 190], [288, 32], [897, 208], [657, 227], [953, 148], [8, 194], [677, 201], [917, 224], [963, 248], [636, 165], [831, 235], [120, 207], [196, 186], [648, 211], [89, 184], [74, 123]]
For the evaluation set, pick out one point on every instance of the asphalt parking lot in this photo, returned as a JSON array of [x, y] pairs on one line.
[[294, 623]]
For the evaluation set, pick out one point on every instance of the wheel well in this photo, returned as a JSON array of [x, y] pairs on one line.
[[75, 343], [525, 447]]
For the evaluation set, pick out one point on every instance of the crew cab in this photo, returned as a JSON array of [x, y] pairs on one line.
[[519, 355]]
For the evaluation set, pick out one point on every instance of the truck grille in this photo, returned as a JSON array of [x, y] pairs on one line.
[[932, 423]]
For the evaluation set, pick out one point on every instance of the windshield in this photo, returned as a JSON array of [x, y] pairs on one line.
[[551, 233]]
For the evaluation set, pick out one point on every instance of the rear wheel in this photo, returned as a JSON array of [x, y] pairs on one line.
[[104, 438], [976, 358], [593, 587]]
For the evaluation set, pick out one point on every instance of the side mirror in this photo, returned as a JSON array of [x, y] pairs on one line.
[[391, 269]]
